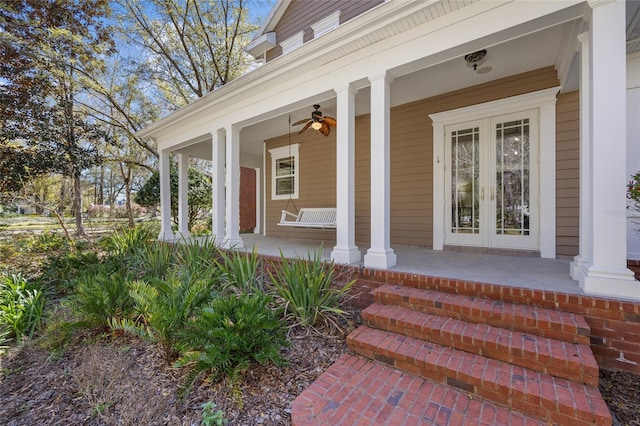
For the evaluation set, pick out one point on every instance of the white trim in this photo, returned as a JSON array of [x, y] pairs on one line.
[[292, 43], [542, 100], [326, 24], [282, 152], [261, 45]]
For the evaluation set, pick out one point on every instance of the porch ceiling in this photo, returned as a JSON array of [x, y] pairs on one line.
[[431, 76], [421, 80]]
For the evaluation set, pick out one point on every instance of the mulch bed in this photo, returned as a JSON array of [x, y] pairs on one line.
[[123, 381]]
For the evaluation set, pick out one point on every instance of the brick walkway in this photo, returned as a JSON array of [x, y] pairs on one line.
[[354, 391]]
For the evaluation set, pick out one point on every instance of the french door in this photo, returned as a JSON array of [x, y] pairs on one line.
[[491, 182]]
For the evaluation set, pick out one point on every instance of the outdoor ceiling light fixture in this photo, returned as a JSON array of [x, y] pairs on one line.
[[477, 58]]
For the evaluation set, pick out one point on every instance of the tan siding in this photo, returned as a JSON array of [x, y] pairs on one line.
[[411, 163], [301, 14], [567, 172]]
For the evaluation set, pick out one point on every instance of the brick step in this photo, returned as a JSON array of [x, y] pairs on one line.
[[355, 391], [554, 357], [542, 322], [536, 394]]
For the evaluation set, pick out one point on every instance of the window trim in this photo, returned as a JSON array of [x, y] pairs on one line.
[[283, 152]]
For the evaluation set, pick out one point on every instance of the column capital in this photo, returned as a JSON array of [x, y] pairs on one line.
[[381, 75], [347, 87], [597, 3]]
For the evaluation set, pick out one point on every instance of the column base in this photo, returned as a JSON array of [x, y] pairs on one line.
[[233, 243], [612, 282], [166, 236], [346, 256], [183, 235], [577, 267], [380, 259]]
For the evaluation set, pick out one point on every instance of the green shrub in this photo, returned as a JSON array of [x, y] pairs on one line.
[[101, 297], [233, 331], [198, 258], [164, 308], [240, 271], [47, 241], [155, 261], [62, 271], [21, 307], [128, 241], [306, 287]]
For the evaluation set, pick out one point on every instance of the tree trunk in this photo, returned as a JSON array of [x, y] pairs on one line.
[[77, 204], [62, 196]]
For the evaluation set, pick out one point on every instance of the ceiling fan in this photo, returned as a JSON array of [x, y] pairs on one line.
[[318, 122]]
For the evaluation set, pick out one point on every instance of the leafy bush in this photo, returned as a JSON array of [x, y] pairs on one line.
[[164, 307], [47, 241], [306, 287], [229, 334], [21, 307], [102, 297], [62, 271]]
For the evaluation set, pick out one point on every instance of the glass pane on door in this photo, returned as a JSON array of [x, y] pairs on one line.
[[465, 174], [512, 193]]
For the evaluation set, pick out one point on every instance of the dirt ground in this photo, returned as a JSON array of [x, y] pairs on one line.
[[125, 382]]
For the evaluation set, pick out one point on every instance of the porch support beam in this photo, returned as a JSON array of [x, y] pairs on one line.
[[605, 271], [232, 235], [166, 234], [183, 196], [380, 255], [345, 250], [218, 140]]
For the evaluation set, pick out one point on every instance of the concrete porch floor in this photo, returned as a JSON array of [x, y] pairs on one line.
[[519, 271]]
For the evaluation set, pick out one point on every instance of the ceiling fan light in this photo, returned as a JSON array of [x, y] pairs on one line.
[[316, 125]]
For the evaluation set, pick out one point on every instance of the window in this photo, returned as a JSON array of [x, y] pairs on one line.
[[285, 172]]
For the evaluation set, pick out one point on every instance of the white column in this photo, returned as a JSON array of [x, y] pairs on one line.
[[217, 176], [166, 234], [583, 259], [183, 196], [606, 273], [345, 250], [232, 235], [380, 255]]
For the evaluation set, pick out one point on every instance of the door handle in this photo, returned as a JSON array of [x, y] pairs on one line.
[[493, 193], [482, 193]]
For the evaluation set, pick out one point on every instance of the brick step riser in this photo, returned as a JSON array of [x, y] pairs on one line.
[[489, 379], [565, 360], [493, 316]]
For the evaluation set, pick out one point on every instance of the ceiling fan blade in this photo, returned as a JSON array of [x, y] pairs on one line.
[[306, 127], [297, 123], [330, 121], [325, 129]]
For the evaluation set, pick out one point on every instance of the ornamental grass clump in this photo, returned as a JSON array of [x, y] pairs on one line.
[[306, 286], [240, 271]]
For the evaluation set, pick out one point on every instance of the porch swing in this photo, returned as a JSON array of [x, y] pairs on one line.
[[310, 217]]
